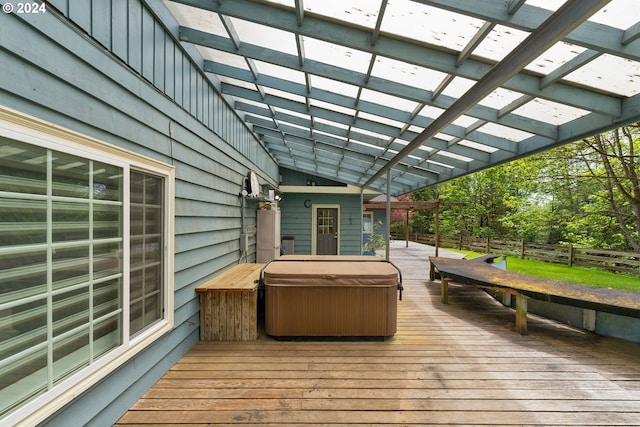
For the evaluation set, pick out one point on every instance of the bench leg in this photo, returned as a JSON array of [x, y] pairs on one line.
[[521, 315], [444, 291], [506, 299], [589, 320]]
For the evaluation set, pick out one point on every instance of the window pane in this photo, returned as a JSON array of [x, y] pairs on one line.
[[70, 310], [146, 250], [70, 176], [106, 298], [70, 354], [153, 275], [153, 191], [107, 259], [137, 251], [146, 301], [152, 307], [23, 379], [107, 335], [137, 188], [23, 273], [152, 249], [136, 312], [137, 220], [70, 221], [152, 220], [22, 327], [107, 221], [22, 221], [22, 167], [107, 182], [70, 266]]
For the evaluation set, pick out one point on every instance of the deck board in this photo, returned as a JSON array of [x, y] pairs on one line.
[[447, 364]]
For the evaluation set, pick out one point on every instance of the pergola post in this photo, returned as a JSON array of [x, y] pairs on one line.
[[406, 231], [388, 239], [437, 226]]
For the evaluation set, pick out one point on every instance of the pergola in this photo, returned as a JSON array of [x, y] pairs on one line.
[[417, 91], [409, 206]]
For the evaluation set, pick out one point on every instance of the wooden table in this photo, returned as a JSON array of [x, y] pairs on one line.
[[229, 304]]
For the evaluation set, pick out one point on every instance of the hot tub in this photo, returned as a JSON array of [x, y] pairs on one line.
[[330, 296]]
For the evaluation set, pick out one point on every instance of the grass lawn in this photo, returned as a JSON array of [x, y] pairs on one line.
[[582, 275]]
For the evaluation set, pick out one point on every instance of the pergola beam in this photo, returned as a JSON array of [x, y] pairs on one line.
[[385, 86], [568, 17], [345, 119], [590, 35], [372, 144], [402, 50], [526, 125]]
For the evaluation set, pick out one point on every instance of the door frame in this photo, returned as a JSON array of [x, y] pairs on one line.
[[314, 225]]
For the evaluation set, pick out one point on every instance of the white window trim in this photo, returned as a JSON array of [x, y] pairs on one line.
[[21, 127]]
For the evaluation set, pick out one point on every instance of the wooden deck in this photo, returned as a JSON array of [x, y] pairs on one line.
[[460, 363]]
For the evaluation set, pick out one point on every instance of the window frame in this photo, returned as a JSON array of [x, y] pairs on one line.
[[30, 130]]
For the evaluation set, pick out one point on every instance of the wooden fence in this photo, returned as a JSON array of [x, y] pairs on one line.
[[627, 262]]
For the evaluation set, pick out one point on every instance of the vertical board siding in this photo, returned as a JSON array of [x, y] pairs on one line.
[[61, 5], [148, 45], [186, 76], [159, 56], [119, 25], [147, 96], [101, 22], [296, 220], [138, 38], [81, 16], [169, 66], [177, 83], [134, 34]]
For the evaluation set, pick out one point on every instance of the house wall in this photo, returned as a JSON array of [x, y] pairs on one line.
[[296, 219], [291, 177], [110, 70]]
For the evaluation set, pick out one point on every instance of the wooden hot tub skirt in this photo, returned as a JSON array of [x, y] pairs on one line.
[[330, 298]]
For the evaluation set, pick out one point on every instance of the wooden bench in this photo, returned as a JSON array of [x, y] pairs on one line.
[[229, 304], [522, 286]]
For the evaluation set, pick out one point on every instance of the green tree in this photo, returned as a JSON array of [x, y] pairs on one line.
[[498, 202], [586, 193], [616, 179]]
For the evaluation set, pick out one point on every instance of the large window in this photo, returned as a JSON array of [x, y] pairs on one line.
[[83, 264]]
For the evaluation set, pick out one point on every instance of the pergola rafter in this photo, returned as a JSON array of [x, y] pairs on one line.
[[471, 109]]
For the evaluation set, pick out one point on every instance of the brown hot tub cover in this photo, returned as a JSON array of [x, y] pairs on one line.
[[330, 273], [330, 296]]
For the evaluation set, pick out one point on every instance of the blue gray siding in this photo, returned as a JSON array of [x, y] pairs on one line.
[[291, 177], [109, 70], [296, 220]]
